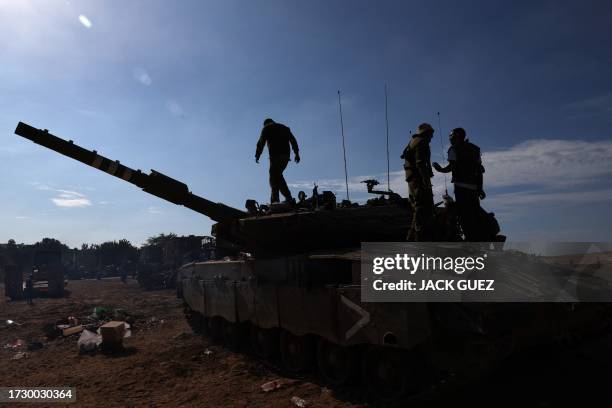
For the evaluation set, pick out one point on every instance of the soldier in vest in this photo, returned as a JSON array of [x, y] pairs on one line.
[[417, 165], [465, 163]]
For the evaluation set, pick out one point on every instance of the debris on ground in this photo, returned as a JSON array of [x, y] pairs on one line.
[[299, 402], [272, 385], [120, 314], [69, 331], [19, 356], [89, 341], [208, 352], [9, 323], [15, 344], [112, 334], [100, 312], [51, 330]]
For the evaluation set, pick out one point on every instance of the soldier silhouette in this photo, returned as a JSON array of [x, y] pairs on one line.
[[417, 165], [465, 163], [280, 140]]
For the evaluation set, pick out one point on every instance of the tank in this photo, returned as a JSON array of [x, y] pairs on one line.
[[287, 284]]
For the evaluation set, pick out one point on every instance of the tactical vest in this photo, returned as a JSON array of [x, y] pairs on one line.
[[409, 156], [468, 166]]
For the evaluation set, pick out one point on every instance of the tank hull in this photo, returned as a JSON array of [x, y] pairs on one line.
[[313, 303]]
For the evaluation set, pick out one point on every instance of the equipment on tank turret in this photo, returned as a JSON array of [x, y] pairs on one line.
[[290, 283]]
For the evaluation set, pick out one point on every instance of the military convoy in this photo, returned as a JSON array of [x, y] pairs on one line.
[[287, 278]]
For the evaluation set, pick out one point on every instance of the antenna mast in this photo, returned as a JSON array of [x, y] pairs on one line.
[[387, 121], [442, 153], [343, 146]]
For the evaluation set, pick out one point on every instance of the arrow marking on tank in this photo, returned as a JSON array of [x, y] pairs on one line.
[[365, 317]]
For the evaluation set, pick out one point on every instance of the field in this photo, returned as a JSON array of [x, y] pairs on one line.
[[165, 365]]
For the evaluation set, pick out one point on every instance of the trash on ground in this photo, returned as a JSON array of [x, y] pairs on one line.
[[120, 314], [89, 341], [299, 402], [208, 352], [100, 312], [69, 331], [51, 330], [19, 356], [272, 385], [15, 344], [35, 345], [112, 333]]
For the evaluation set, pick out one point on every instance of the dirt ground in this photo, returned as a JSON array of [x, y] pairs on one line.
[[165, 365]]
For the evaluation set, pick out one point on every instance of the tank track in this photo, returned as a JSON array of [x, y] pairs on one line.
[[390, 376]]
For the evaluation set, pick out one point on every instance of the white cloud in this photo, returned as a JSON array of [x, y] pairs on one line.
[[142, 76], [533, 198], [544, 169], [69, 194], [85, 21], [549, 163], [64, 198], [174, 108], [23, 217], [71, 202]]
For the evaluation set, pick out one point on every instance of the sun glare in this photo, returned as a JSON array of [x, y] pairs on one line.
[[85, 21]]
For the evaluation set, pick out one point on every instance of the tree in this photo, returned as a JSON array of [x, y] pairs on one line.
[[161, 238]]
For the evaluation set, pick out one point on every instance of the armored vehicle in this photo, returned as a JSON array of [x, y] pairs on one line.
[[288, 280]]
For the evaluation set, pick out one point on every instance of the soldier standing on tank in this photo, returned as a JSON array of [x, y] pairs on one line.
[[465, 163], [279, 139], [417, 165]]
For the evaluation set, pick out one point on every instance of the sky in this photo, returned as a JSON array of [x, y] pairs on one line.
[[183, 87]]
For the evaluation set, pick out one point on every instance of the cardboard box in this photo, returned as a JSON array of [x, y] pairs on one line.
[[112, 333]]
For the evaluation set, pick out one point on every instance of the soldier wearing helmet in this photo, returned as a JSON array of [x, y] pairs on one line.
[[464, 161], [417, 166], [279, 139]]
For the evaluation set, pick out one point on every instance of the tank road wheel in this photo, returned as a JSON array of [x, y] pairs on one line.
[[297, 352], [390, 373], [336, 363], [264, 341], [215, 328], [233, 334]]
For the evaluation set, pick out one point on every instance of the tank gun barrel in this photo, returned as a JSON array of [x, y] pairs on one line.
[[154, 183]]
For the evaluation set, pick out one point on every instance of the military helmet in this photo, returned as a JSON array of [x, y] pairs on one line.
[[458, 132], [424, 128], [268, 121]]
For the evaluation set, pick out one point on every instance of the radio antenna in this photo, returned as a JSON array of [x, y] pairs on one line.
[[387, 121], [343, 146], [442, 153]]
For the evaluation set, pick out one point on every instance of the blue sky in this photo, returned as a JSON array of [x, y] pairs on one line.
[[182, 87]]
